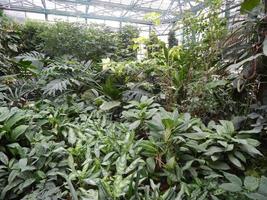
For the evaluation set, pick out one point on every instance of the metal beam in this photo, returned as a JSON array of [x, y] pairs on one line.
[[166, 12], [44, 5], [72, 14], [112, 5], [194, 9]]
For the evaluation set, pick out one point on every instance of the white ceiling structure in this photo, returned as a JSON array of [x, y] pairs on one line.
[[110, 11], [132, 11]]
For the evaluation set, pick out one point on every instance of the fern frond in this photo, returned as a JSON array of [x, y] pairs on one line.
[[59, 85], [56, 85]]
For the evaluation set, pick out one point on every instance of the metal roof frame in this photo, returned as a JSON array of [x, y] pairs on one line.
[[132, 11]]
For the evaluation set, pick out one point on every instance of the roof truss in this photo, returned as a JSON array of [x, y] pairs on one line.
[[132, 11]]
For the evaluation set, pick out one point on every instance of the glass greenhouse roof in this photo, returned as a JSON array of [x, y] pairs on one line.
[[131, 11]]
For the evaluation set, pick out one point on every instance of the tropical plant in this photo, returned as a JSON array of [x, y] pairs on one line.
[[139, 113]]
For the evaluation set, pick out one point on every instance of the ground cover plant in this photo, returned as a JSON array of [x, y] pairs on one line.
[[99, 126]]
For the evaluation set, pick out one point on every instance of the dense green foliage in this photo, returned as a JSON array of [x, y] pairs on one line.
[[169, 127], [92, 42]]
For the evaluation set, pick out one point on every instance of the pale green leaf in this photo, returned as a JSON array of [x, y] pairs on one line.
[[26, 184], [71, 136], [151, 164], [256, 196], [231, 187], [3, 158], [251, 183], [251, 150], [109, 105], [220, 166], [240, 156], [233, 179], [4, 114], [171, 163], [14, 119], [134, 125], [18, 131], [121, 164], [23, 163], [235, 161], [212, 150], [263, 186]]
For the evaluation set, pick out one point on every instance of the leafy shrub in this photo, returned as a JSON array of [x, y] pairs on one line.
[[64, 38], [31, 35]]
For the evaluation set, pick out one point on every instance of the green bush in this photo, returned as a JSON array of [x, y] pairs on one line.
[[92, 42], [30, 35]]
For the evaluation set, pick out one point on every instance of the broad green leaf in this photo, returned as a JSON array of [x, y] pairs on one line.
[[148, 148], [71, 163], [168, 123], [233, 179], [90, 181], [71, 136], [120, 185], [71, 188], [3, 158], [240, 156], [121, 164], [251, 183], [18, 131], [228, 127], [134, 125], [220, 166], [26, 184], [170, 163], [188, 164], [151, 164], [263, 186], [9, 187], [167, 134], [253, 142], [137, 162], [104, 191], [4, 114], [197, 136], [16, 149], [23, 163], [256, 196], [231, 187], [235, 161], [212, 150], [13, 174], [14, 119], [109, 105], [251, 150]]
